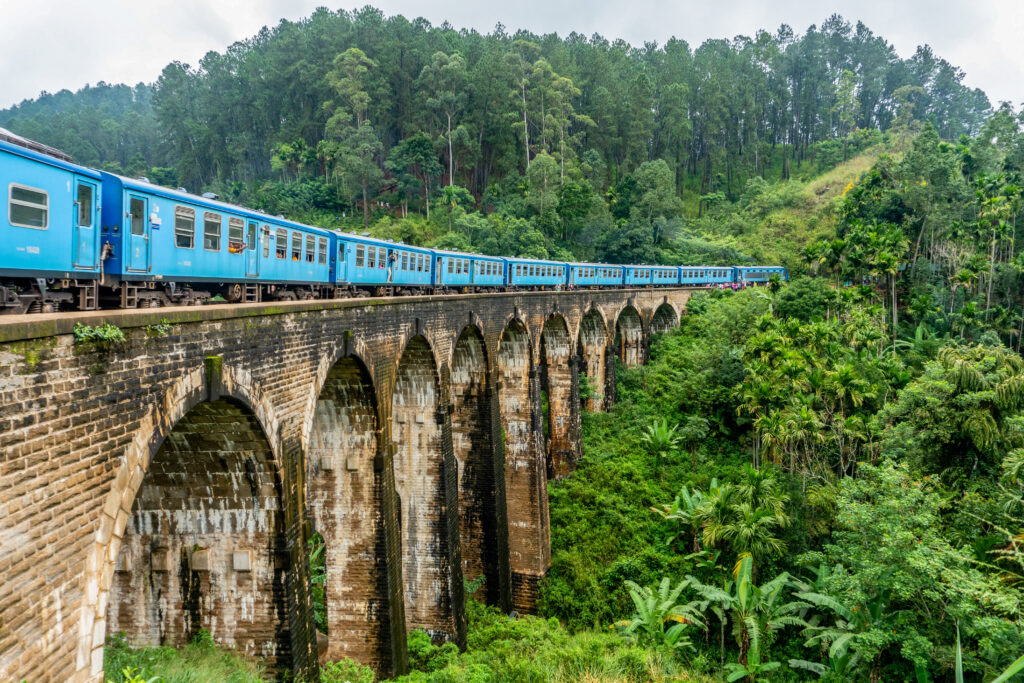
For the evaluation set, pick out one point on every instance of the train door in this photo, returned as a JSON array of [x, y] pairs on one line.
[[342, 267], [252, 252], [138, 233], [85, 225]]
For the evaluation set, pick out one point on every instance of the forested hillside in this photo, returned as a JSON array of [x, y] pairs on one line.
[[541, 145]]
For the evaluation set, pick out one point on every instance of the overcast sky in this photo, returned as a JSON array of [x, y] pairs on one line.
[[54, 44]]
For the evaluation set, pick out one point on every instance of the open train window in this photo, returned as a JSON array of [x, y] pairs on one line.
[[84, 203], [421, 263], [371, 257], [236, 226], [296, 246], [360, 255], [281, 243], [29, 207], [310, 248], [321, 252], [211, 231], [266, 242], [184, 227]]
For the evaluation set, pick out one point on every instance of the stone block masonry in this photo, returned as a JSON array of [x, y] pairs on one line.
[[171, 483]]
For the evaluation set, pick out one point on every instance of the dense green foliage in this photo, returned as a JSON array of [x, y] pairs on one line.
[[518, 143], [199, 662], [818, 480]]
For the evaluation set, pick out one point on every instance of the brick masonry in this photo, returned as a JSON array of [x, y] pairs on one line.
[[171, 483]]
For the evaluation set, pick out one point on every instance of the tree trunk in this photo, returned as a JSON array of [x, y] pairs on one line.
[[892, 280], [526, 128], [451, 157], [366, 207]]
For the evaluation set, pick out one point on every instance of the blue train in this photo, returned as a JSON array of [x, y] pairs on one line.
[[74, 237]]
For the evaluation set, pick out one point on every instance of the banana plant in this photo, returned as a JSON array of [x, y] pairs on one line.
[[658, 608], [754, 611]]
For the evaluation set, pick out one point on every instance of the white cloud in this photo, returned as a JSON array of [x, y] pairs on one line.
[[55, 44]]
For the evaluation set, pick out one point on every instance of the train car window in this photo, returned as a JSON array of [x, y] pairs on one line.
[[184, 227], [321, 252], [465, 266], [266, 242], [310, 248], [360, 255], [281, 243], [211, 231], [29, 207], [422, 263], [250, 238], [405, 261], [451, 266], [296, 246], [235, 228], [84, 206], [371, 257]]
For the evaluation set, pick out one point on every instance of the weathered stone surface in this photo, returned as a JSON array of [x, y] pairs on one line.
[[224, 434]]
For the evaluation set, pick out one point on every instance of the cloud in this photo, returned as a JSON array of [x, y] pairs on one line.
[[53, 44]]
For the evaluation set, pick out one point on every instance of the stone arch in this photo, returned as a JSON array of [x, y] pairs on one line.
[[416, 432], [474, 454], [185, 393], [346, 500], [664, 319], [592, 346], [348, 345], [629, 337], [204, 545], [558, 383], [525, 471]]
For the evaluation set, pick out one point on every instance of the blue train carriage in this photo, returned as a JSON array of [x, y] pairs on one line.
[[171, 247], [706, 276], [664, 276], [49, 235], [527, 273], [467, 272], [365, 264], [637, 276], [594, 275], [759, 275]]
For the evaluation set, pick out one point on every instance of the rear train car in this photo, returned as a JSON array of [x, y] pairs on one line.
[[49, 231], [759, 275]]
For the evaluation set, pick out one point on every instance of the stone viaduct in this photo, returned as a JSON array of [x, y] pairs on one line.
[[172, 482]]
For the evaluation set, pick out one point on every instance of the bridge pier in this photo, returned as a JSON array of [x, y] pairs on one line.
[[171, 483]]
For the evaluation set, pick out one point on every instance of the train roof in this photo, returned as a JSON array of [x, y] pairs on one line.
[[468, 254], [521, 259], [64, 163], [391, 244]]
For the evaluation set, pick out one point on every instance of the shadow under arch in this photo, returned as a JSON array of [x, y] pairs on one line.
[[525, 472], [665, 318], [592, 347], [204, 544], [474, 453], [346, 493], [559, 387], [629, 336], [420, 482]]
